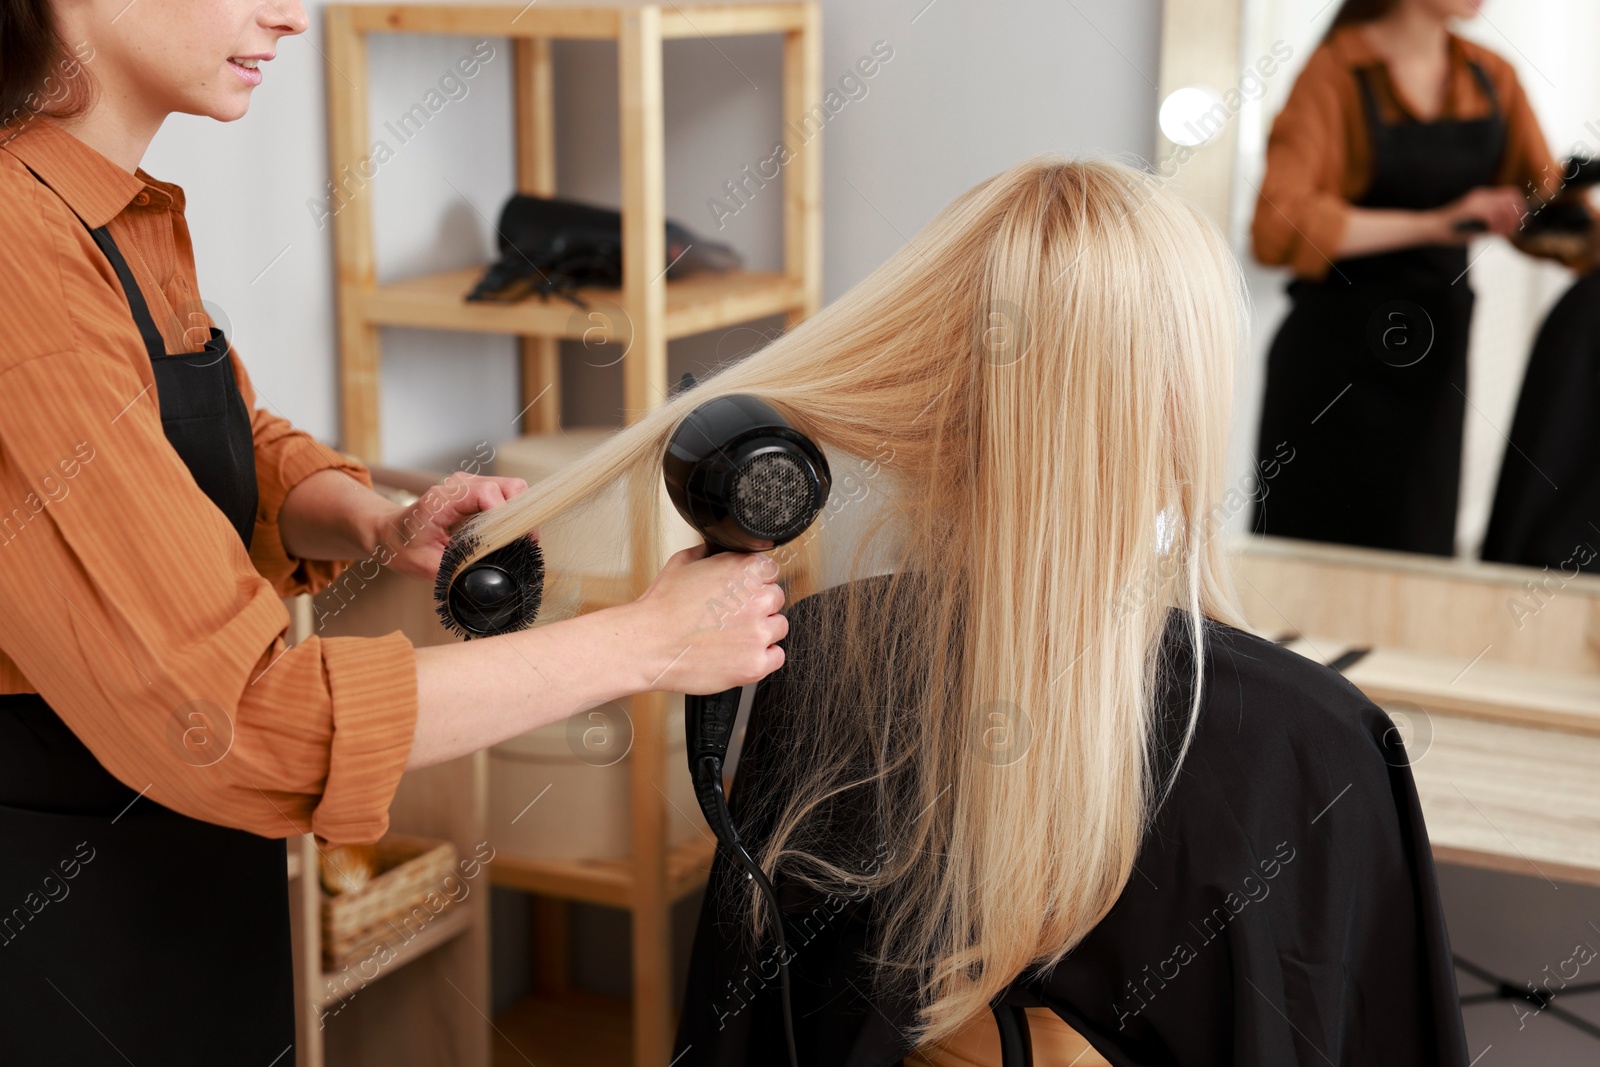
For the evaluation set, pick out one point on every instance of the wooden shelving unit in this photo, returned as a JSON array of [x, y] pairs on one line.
[[652, 311], [422, 998]]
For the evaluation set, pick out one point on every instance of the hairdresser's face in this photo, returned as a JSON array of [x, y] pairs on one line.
[[191, 56]]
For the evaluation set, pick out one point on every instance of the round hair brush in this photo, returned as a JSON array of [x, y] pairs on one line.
[[498, 594]]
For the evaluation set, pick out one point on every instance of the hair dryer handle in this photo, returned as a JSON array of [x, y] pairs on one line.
[[708, 723], [708, 727]]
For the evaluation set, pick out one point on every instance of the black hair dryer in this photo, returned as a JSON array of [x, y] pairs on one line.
[[747, 481]]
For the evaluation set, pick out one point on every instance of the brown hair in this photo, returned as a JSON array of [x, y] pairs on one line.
[[1355, 12], [38, 73]]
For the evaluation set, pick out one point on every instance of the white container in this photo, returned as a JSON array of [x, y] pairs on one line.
[[562, 792]]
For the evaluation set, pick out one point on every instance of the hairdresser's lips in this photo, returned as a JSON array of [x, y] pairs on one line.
[[245, 67]]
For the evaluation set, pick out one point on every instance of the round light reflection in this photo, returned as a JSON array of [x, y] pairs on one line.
[[1191, 116]]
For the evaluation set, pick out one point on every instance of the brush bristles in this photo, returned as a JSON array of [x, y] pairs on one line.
[[523, 563]]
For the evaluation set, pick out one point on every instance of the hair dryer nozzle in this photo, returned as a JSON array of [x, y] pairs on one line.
[[742, 476]]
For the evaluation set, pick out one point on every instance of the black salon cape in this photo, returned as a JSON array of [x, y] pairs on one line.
[[1284, 910], [1546, 509]]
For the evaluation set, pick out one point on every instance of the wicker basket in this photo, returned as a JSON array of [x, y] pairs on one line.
[[407, 893]]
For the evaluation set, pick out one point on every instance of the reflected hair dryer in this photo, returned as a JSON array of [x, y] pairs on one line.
[[747, 481]]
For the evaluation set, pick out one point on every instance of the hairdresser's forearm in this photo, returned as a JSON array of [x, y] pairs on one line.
[[481, 692], [330, 515], [1370, 230]]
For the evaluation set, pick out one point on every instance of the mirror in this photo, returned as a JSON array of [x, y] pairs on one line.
[[1389, 447]]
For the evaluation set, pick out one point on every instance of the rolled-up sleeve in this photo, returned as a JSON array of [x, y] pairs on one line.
[[1302, 210], [129, 602]]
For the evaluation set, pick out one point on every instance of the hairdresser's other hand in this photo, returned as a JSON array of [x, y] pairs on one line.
[[412, 538], [1500, 208], [707, 624]]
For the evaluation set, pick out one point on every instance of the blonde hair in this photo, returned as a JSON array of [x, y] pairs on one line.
[[1046, 371]]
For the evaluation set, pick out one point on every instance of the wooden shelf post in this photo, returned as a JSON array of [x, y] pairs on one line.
[[536, 175], [653, 311], [644, 302], [351, 211]]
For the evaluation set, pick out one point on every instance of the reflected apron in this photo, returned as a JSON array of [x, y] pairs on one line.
[[1367, 378], [129, 932]]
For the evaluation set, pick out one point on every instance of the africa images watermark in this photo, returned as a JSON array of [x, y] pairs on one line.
[[15, 521], [852, 488], [451, 891], [852, 85], [1211, 927], [1251, 86], [366, 570], [51, 91], [1542, 994], [737, 996], [452, 85], [52, 890], [1543, 591]]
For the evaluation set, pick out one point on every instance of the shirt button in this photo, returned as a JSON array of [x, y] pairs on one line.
[[142, 199]]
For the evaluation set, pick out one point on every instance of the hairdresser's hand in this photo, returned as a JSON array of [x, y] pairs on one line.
[[1500, 208], [412, 538], [707, 624]]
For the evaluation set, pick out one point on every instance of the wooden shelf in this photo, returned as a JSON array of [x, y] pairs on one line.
[[694, 305], [450, 923], [608, 882], [1503, 758], [1509, 798], [1483, 690], [567, 20], [644, 314], [1478, 688], [397, 1019]]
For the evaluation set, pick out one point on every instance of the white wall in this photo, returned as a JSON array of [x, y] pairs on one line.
[[971, 89]]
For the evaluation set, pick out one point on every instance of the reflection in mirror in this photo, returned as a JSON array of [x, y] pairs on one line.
[[1398, 204]]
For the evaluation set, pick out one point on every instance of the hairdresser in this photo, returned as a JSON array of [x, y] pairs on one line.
[[1399, 142], [158, 740]]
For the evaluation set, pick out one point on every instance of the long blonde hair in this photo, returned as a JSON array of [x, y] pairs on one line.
[[1045, 371]]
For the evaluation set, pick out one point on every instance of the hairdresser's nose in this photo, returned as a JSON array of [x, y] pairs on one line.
[[284, 17]]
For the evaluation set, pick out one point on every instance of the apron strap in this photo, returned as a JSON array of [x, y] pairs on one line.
[[1488, 88], [1369, 101], [153, 342]]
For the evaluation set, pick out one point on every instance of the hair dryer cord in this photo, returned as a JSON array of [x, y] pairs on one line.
[[708, 771]]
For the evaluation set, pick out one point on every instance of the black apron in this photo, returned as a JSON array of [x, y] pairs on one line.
[[1547, 505], [1367, 377], [129, 932]]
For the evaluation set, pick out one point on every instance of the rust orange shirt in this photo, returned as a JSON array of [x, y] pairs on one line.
[[125, 594], [1319, 153]]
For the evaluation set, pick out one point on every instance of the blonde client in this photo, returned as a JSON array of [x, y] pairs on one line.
[[1025, 751]]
